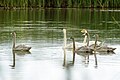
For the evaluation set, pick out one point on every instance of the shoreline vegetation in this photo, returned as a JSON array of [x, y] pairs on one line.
[[28, 4]]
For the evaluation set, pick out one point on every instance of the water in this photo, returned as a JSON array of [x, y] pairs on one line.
[[42, 30]]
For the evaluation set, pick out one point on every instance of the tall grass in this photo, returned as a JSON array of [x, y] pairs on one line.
[[59, 3]]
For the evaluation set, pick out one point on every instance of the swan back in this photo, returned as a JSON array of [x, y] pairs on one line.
[[102, 48], [22, 48]]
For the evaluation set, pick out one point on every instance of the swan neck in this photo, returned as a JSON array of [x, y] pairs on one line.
[[65, 38], [95, 41], [73, 50], [85, 39], [14, 40], [88, 39], [73, 44]]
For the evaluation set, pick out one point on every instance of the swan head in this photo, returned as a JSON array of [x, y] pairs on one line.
[[96, 36], [13, 33], [84, 31], [71, 38], [64, 30]]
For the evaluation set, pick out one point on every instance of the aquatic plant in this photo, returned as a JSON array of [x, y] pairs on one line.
[[59, 3]]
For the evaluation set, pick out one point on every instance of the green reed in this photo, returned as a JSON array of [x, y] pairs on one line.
[[59, 3]]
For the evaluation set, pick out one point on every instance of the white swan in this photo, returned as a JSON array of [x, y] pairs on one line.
[[90, 42], [19, 47], [70, 46]]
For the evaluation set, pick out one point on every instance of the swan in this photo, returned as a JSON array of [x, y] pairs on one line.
[[104, 48], [70, 46], [100, 47], [90, 42], [84, 50], [20, 47]]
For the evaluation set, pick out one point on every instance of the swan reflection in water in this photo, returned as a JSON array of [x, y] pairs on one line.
[[22, 53], [106, 53], [19, 53], [19, 50]]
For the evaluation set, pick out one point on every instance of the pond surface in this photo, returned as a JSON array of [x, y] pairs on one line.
[[42, 30]]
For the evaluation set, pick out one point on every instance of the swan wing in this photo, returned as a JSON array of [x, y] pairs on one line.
[[22, 47]]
